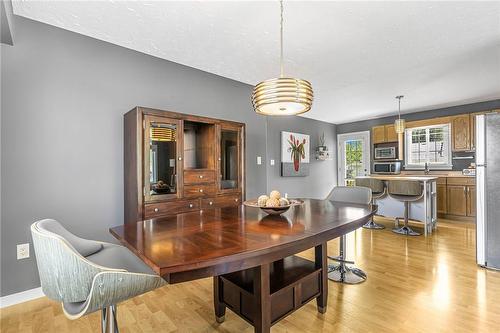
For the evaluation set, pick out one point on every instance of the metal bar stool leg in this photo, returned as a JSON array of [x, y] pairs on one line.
[[405, 229], [343, 273], [108, 320]]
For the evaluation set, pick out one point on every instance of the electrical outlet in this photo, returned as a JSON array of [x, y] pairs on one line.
[[23, 251], [259, 160], [272, 162]]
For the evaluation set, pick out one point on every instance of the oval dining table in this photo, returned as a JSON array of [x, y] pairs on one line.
[[250, 254]]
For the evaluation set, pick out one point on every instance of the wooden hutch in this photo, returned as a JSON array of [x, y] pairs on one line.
[[177, 163]]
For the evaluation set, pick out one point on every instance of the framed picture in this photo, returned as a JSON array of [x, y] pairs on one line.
[[294, 154]]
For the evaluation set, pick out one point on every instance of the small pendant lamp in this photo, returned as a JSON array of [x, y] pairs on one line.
[[282, 96], [399, 124]]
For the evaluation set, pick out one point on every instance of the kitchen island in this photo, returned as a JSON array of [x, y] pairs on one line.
[[423, 210]]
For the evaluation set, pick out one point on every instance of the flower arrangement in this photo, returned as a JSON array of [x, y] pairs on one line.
[[296, 150]]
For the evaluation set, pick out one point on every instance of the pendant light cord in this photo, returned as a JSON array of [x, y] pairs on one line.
[[281, 39], [399, 108]]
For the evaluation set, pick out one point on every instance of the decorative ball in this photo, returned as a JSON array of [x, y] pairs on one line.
[[275, 195], [284, 202], [272, 202], [261, 201]]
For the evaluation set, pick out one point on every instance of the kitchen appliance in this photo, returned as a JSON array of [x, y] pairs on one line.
[[469, 172], [488, 190], [386, 151], [387, 168]]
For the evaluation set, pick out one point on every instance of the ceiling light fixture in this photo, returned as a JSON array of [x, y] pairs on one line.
[[282, 96], [399, 124]]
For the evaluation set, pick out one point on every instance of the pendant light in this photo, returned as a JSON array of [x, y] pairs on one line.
[[283, 95], [399, 124]]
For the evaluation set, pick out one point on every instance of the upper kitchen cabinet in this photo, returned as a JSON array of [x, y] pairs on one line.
[[461, 133], [384, 133]]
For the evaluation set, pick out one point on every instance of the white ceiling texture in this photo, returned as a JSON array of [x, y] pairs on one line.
[[357, 55]]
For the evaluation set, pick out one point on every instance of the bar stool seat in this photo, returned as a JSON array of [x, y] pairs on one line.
[[378, 191], [406, 191]]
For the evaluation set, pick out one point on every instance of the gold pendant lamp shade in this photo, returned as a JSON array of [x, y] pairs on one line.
[[283, 96], [399, 124]]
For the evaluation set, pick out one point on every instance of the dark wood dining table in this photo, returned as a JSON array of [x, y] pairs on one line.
[[250, 254]]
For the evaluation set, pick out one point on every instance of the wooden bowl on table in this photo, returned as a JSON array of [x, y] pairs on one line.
[[275, 210]]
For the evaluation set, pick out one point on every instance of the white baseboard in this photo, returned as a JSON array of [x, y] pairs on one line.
[[21, 297]]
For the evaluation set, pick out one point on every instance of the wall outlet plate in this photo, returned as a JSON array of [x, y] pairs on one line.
[[23, 251], [259, 160], [272, 162]]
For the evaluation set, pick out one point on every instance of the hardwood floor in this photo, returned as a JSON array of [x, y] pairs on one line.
[[414, 284]]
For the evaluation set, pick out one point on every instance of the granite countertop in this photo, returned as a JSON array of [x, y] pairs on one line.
[[403, 177], [436, 174]]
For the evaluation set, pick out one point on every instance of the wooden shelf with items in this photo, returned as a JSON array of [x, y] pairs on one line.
[[172, 163]]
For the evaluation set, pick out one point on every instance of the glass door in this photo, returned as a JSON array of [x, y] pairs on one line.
[[354, 157], [229, 158], [162, 158]]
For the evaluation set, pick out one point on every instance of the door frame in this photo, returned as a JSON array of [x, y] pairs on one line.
[[341, 138]]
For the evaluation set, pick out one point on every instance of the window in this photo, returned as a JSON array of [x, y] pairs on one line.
[[428, 144]]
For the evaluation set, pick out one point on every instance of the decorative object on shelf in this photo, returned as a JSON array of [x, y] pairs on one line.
[[322, 153], [278, 209], [284, 95], [399, 124], [294, 154]]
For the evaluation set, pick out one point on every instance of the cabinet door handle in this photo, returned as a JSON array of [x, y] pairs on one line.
[[201, 190], [190, 205], [201, 176], [179, 158], [156, 210], [210, 203], [235, 200]]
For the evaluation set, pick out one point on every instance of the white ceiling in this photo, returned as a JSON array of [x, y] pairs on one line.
[[357, 55]]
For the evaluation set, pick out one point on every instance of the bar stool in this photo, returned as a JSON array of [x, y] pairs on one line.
[[378, 191], [341, 272], [406, 191]]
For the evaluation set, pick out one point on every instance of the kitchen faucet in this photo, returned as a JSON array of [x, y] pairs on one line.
[[426, 168]]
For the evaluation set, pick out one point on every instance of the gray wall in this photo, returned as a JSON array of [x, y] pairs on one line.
[[450, 111], [63, 100], [323, 174]]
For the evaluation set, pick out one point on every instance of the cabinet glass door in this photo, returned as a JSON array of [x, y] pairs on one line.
[[161, 149], [229, 159]]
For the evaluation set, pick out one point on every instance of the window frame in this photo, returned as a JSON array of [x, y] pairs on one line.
[[431, 165]]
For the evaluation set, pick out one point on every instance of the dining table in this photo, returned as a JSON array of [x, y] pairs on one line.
[[250, 255]]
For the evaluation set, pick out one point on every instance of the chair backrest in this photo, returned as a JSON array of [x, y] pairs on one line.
[[65, 274], [351, 194], [376, 185], [408, 188]]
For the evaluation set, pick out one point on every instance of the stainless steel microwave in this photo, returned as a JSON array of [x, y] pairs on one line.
[[386, 152], [390, 167]]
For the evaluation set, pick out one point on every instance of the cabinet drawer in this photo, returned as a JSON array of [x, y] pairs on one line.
[[441, 181], [153, 210], [461, 181], [202, 190], [221, 201], [199, 176]]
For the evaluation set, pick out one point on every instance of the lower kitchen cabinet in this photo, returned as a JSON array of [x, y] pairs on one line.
[[471, 201], [456, 197], [441, 198]]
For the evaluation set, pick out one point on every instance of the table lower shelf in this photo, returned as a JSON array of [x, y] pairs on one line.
[[293, 282]]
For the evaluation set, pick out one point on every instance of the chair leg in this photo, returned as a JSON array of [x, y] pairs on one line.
[[108, 320], [343, 273], [371, 224], [405, 229]]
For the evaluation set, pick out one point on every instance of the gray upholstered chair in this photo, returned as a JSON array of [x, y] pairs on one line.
[[405, 191], [378, 191], [341, 272], [87, 275]]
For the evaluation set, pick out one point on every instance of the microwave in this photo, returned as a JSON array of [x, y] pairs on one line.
[[385, 152], [390, 167]]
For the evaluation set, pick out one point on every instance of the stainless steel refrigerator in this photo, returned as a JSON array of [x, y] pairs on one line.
[[488, 190]]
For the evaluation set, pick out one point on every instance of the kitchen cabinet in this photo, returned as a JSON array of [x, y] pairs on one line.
[[378, 134], [461, 133], [456, 196], [384, 133], [441, 195], [471, 201]]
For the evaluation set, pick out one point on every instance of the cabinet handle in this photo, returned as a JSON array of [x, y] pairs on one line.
[[190, 205], [179, 158], [201, 190], [219, 159], [210, 203], [201, 176], [235, 200], [156, 210]]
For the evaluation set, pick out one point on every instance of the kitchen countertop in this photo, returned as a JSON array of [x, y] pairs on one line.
[[421, 178], [440, 174]]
